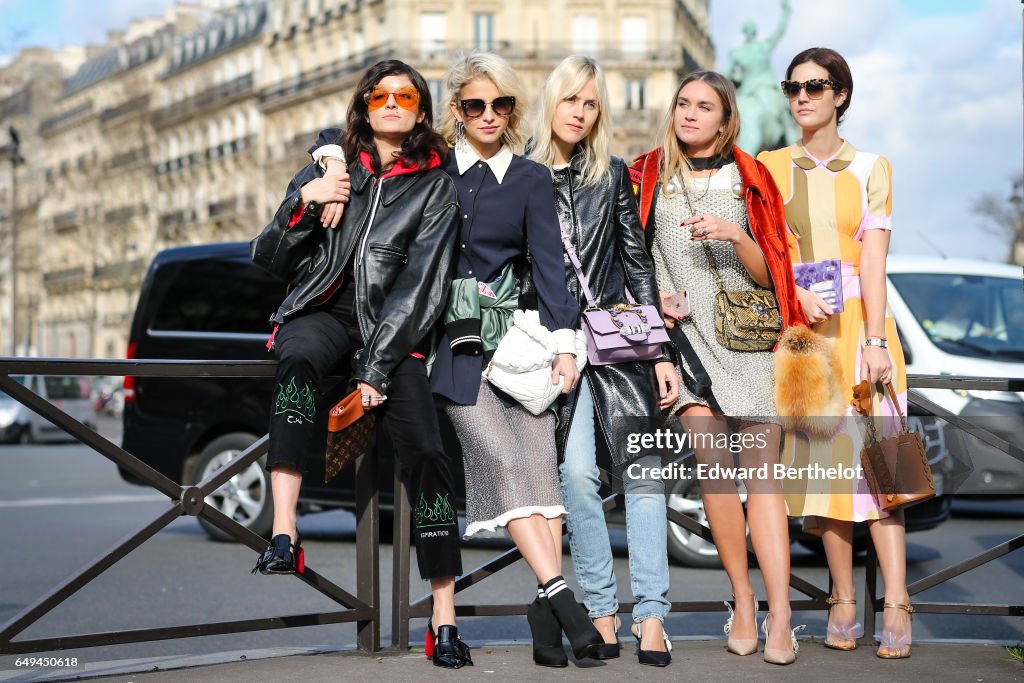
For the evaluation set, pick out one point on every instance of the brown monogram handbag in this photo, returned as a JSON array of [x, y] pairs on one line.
[[896, 468], [350, 433]]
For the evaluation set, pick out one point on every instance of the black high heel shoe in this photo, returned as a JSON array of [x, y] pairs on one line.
[[652, 657], [547, 635], [610, 650], [584, 637], [282, 557], [445, 648]]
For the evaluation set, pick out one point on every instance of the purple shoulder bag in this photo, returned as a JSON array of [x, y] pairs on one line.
[[621, 333]]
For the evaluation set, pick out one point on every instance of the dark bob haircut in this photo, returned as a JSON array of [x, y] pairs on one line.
[[837, 68], [418, 146]]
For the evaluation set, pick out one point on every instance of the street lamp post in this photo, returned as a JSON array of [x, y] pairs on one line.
[[11, 152]]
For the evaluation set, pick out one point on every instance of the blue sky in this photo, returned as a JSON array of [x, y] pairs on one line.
[[937, 90]]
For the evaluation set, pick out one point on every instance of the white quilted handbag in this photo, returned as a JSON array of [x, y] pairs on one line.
[[521, 365]]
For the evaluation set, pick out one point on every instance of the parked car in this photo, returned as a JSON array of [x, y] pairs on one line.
[[966, 318], [18, 424], [210, 302]]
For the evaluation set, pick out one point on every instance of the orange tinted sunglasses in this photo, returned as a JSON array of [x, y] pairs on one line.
[[406, 98]]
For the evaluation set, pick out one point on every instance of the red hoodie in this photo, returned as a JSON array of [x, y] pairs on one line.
[[765, 211]]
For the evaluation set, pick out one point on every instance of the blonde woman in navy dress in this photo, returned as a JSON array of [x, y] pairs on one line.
[[508, 224]]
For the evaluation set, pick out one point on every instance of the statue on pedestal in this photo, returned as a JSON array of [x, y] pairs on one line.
[[764, 111]]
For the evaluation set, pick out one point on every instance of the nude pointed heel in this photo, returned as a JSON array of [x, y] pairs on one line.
[[776, 656], [740, 646]]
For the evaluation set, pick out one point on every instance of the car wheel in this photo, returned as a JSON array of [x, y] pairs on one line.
[[246, 497], [684, 547], [25, 434]]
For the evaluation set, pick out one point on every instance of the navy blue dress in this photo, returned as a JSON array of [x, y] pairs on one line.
[[500, 222]]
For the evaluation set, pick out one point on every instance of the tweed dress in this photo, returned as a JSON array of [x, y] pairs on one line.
[[742, 381]]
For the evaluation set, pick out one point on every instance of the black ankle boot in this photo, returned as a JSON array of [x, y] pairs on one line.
[[547, 635], [583, 635], [282, 557]]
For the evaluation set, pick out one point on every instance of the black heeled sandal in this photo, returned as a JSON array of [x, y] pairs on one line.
[[652, 657], [547, 635], [610, 650], [282, 557], [445, 648]]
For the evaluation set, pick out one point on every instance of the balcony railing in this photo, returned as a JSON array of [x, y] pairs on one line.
[[51, 124], [18, 103], [133, 105], [325, 74], [243, 85], [132, 156], [120, 270], [223, 207], [176, 219], [122, 214], [66, 220], [66, 279]]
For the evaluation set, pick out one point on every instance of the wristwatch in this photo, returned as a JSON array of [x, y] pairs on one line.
[[876, 341]]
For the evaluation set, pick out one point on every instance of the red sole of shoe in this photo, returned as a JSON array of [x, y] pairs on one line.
[[300, 561], [428, 644]]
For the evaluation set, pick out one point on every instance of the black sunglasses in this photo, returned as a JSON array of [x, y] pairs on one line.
[[502, 106], [815, 87]]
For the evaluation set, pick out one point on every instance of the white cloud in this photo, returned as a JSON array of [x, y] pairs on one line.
[[940, 96]]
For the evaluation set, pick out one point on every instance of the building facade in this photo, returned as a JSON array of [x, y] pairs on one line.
[[186, 128]]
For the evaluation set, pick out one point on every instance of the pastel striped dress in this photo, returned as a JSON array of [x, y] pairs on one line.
[[830, 204]]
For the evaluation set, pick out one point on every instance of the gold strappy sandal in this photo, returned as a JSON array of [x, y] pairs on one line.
[[894, 641], [841, 632]]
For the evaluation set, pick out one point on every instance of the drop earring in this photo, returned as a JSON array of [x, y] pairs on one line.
[[460, 137]]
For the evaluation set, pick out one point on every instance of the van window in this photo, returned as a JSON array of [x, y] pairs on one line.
[[217, 296], [66, 387], [967, 315]]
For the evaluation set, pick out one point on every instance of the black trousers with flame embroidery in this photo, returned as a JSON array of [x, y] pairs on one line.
[[309, 349]]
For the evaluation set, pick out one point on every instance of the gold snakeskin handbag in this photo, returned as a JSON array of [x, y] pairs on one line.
[[744, 320], [350, 434]]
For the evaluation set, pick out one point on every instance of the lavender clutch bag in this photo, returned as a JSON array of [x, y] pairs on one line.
[[824, 278]]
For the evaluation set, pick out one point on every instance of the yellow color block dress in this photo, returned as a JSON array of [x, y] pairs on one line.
[[830, 204]]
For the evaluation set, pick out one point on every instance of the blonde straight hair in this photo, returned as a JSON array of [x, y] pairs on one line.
[[487, 65], [568, 78], [673, 157]]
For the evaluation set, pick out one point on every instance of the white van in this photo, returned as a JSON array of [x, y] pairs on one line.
[[966, 318], [18, 424]]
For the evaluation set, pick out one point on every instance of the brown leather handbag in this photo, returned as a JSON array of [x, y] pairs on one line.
[[896, 468], [350, 433]]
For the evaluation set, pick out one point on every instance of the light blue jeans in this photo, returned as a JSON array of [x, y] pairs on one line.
[[646, 526]]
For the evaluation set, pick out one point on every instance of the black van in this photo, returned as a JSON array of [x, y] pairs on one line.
[[210, 302]]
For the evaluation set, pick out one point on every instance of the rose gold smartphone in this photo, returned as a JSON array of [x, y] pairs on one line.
[[680, 303]]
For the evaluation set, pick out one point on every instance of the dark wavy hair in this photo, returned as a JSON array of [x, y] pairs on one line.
[[837, 68], [418, 146]]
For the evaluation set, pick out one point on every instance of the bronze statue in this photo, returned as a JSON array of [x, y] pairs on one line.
[[766, 123]]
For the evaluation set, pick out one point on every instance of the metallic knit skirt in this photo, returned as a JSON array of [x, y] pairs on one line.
[[510, 459]]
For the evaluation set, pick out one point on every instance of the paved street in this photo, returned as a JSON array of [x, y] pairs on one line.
[[61, 505]]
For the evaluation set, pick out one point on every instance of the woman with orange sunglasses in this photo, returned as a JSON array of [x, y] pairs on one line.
[[363, 297]]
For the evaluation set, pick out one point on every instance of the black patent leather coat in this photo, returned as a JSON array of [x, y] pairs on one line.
[[402, 231], [604, 226]]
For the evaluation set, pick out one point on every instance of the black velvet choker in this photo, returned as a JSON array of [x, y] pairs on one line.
[[708, 163]]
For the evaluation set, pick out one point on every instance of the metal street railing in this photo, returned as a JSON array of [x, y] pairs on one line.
[[363, 607]]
